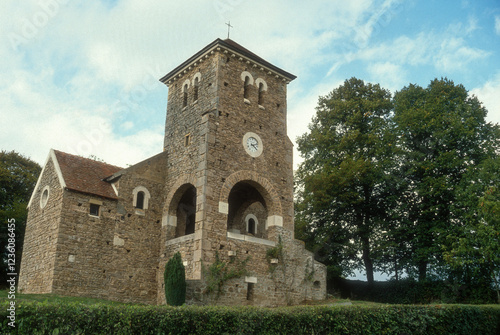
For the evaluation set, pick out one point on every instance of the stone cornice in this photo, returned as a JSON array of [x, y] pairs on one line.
[[233, 50]]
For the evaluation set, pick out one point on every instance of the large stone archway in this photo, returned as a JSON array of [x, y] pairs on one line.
[[246, 196], [180, 208]]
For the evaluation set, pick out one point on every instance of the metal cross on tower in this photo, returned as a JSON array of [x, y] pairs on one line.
[[229, 26]]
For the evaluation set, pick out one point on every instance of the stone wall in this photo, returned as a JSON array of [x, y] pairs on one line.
[[40, 240], [219, 120], [114, 255]]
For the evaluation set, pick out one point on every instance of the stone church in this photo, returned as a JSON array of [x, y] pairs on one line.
[[221, 191]]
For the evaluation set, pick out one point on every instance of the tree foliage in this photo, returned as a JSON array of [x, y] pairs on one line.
[[343, 182], [18, 176], [443, 136], [403, 185], [476, 252], [175, 281]]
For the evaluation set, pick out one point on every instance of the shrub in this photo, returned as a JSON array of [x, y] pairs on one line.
[[74, 318], [175, 281], [409, 291]]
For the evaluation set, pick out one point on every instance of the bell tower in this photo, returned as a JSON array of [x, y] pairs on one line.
[[229, 180]]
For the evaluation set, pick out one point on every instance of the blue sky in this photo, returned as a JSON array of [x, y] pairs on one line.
[[82, 76]]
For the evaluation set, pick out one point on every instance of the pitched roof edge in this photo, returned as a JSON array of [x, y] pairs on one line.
[[234, 47], [58, 169], [52, 156], [118, 174]]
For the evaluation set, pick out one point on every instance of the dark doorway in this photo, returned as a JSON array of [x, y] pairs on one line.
[[186, 212]]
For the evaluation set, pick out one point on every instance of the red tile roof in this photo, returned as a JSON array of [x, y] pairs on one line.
[[86, 175]]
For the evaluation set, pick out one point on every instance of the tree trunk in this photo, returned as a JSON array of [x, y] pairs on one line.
[[367, 260], [422, 271]]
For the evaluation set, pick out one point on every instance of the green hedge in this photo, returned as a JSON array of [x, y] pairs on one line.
[[409, 291], [73, 318]]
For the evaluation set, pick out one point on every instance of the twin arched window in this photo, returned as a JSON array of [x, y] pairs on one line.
[[248, 82], [196, 89]]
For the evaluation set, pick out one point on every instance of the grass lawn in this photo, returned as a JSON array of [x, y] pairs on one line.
[[92, 301], [57, 298]]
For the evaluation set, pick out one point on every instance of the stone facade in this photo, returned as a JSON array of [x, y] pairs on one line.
[[221, 190]]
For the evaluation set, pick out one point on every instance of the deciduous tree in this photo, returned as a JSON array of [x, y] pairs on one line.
[[344, 184], [443, 134], [18, 176]]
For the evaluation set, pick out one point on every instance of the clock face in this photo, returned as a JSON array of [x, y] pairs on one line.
[[252, 144]]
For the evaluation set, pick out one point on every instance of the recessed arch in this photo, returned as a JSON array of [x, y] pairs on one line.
[[247, 207], [264, 186], [182, 207], [169, 216]]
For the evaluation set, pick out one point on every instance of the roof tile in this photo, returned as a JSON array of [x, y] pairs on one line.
[[86, 175]]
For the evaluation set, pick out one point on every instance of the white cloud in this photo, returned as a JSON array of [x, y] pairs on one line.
[[488, 95], [445, 52], [497, 24], [455, 55], [390, 76], [91, 64]]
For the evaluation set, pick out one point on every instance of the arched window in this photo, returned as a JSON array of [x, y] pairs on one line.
[[262, 85], [141, 197], [261, 94], [246, 88], [185, 96], [195, 89], [140, 200]]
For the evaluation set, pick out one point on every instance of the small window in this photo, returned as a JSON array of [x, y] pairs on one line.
[[45, 197], [187, 140], [94, 209], [140, 200], [261, 93], [246, 88]]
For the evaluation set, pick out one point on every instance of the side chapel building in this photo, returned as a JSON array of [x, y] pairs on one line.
[[222, 188]]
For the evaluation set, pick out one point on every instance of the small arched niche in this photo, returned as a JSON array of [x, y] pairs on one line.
[[247, 210]]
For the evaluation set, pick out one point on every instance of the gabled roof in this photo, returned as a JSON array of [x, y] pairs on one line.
[[86, 175], [231, 45], [80, 174]]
